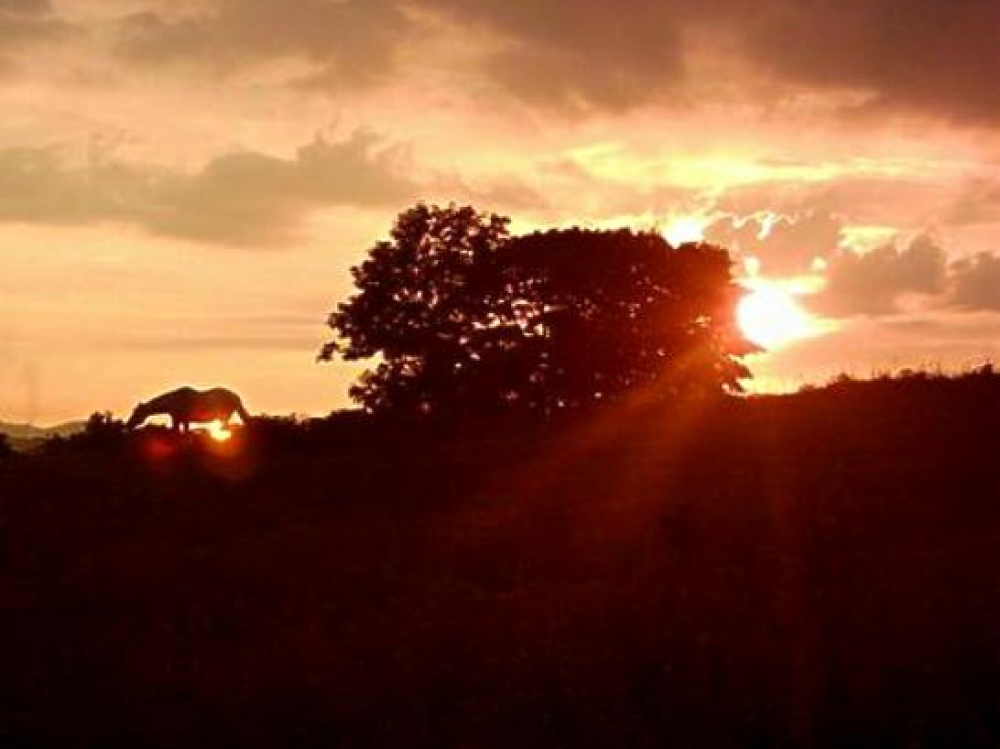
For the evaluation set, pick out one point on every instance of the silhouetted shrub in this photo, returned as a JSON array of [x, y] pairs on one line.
[[102, 429]]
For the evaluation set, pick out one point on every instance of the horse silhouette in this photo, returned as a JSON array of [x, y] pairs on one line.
[[186, 405]]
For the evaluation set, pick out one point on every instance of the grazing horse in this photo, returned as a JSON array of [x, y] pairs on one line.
[[186, 405]]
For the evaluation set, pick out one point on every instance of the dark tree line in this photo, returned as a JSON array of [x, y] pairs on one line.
[[460, 315]]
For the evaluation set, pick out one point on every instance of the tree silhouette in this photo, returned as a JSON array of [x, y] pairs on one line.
[[424, 297], [101, 430], [465, 317], [618, 311]]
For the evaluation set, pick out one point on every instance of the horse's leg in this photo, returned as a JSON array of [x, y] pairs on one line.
[[243, 414]]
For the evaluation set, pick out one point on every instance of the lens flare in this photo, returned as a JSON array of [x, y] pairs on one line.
[[219, 431]]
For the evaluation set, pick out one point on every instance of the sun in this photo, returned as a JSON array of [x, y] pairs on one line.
[[682, 229], [769, 317]]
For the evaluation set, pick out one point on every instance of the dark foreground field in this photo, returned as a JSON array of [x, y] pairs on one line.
[[821, 570]]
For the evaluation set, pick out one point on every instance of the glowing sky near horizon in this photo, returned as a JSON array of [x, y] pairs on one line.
[[184, 185]]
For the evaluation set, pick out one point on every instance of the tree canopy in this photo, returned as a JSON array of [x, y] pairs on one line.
[[460, 315]]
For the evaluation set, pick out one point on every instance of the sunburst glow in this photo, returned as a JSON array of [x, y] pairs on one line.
[[218, 431], [769, 317], [681, 229]]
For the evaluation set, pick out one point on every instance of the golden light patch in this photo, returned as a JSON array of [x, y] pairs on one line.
[[218, 431]]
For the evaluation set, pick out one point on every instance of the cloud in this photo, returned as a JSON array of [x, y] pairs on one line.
[[790, 243], [932, 57], [350, 42], [875, 282], [939, 58], [25, 24], [36, 188], [242, 198], [927, 56], [500, 193], [249, 198], [856, 198], [978, 203], [603, 196], [975, 283], [596, 55], [815, 218], [25, 7], [550, 52], [25, 21]]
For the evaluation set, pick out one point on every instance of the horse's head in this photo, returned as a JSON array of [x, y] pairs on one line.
[[139, 415]]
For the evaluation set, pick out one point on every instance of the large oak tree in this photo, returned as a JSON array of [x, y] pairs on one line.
[[459, 315]]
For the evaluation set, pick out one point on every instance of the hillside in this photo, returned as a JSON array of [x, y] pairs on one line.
[[23, 436], [811, 570]]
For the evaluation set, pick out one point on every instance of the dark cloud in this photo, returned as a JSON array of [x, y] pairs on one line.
[[350, 42], [874, 282], [936, 57], [26, 21], [975, 283], [926, 55], [790, 244], [550, 52], [244, 198], [25, 8], [250, 198], [582, 54]]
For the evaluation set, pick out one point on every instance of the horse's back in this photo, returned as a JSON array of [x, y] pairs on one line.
[[211, 394], [221, 394], [179, 393]]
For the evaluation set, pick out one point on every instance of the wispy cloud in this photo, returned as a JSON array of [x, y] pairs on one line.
[[242, 198]]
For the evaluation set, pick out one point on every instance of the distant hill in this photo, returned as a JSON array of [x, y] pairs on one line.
[[22, 436]]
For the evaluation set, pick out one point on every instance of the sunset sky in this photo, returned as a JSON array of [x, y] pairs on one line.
[[184, 184]]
